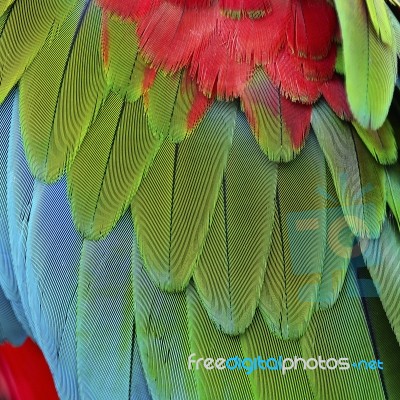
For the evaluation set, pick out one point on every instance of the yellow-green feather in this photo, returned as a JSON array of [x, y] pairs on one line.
[[393, 190], [296, 257], [61, 92], [4, 4], [27, 25], [369, 64], [110, 164], [231, 268], [339, 246], [342, 332], [162, 97], [381, 142], [359, 179], [380, 20], [125, 69], [173, 207]]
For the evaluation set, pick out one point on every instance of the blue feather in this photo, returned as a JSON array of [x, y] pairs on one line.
[[53, 252], [10, 328], [105, 315], [10, 160]]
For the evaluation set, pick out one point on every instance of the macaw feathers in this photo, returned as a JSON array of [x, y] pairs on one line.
[[369, 62], [194, 177]]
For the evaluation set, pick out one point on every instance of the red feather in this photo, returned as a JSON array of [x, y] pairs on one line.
[[335, 94], [311, 28], [297, 118], [223, 74], [171, 27], [129, 9], [287, 74], [319, 70], [24, 374], [293, 40]]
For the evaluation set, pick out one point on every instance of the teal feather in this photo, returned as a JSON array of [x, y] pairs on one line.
[[7, 278], [105, 317], [10, 328], [19, 193], [53, 251]]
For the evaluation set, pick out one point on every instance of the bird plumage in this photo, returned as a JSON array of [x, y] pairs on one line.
[[196, 176]]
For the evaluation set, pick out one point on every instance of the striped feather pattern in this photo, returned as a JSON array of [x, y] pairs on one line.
[[53, 250], [339, 246], [10, 328], [279, 125], [176, 199], [258, 340], [380, 20], [105, 317], [7, 278], [369, 64], [190, 107], [139, 388], [393, 190], [58, 107], [231, 267], [109, 166], [381, 143], [125, 66], [20, 184], [382, 257], [121, 61], [162, 99], [293, 274], [342, 331], [163, 337], [359, 179], [385, 342], [4, 5], [208, 341], [27, 25]]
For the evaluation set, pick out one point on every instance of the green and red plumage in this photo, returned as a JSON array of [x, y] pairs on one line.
[[186, 177]]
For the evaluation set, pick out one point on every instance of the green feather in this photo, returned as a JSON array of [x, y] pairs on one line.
[[382, 257], [4, 5], [58, 103], [380, 20], [298, 241], [187, 104], [110, 164], [162, 97], [359, 179], [175, 202], [381, 143], [339, 65], [24, 32], [393, 190], [387, 348], [339, 246], [396, 29], [125, 69], [162, 330], [259, 341], [206, 340], [370, 65], [232, 264], [342, 332], [262, 103]]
